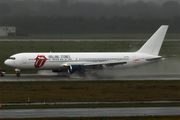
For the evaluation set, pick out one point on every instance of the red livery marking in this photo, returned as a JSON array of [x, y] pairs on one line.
[[40, 61]]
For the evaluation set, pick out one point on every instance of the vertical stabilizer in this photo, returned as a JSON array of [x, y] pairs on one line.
[[153, 45]]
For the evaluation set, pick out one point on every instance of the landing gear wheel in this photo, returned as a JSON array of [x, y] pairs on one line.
[[18, 74]]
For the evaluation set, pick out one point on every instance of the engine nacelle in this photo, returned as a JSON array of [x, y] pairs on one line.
[[74, 68]]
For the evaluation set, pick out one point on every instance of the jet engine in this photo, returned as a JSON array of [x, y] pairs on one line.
[[74, 68]]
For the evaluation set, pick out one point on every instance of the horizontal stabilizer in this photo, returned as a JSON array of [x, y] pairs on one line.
[[153, 59], [159, 58]]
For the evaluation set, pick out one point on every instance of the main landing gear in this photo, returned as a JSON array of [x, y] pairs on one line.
[[17, 72]]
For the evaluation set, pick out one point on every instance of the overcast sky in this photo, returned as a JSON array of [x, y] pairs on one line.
[[125, 1], [107, 1]]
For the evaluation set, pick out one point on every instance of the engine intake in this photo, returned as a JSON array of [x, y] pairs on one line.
[[74, 68]]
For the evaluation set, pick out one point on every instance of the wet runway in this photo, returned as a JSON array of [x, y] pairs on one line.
[[75, 103], [80, 40], [55, 77], [88, 112]]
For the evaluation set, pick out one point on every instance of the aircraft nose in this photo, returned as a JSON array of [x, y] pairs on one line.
[[7, 62]]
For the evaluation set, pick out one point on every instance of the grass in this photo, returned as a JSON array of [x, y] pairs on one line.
[[81, 91], [9, 48], [90, 36], [106, 118]]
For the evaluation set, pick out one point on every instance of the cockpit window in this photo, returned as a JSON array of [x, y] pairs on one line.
[[12, 58]]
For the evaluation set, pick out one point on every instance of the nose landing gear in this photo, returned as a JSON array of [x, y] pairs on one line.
[[17, 72]]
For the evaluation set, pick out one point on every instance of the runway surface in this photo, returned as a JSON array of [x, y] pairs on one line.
[[88, 112], [55, 77], [79, 40], [73, 103]]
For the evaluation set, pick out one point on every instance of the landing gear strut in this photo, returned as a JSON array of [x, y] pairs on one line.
[[17, 72]]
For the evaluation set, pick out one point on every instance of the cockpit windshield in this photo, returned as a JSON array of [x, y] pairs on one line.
[[12, 58]]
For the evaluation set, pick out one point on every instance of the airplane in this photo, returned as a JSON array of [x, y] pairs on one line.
[[81, 62]]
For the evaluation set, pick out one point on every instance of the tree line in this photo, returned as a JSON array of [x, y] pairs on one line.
[[79, 24], [60, 16], [138, 9]]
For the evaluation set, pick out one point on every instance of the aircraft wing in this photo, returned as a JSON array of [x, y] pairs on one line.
[[93, 64], [107, 63]]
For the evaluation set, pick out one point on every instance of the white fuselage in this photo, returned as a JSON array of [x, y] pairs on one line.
[[53, 61]]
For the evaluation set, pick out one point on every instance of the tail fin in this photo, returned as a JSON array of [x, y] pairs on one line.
[[153, 45]]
